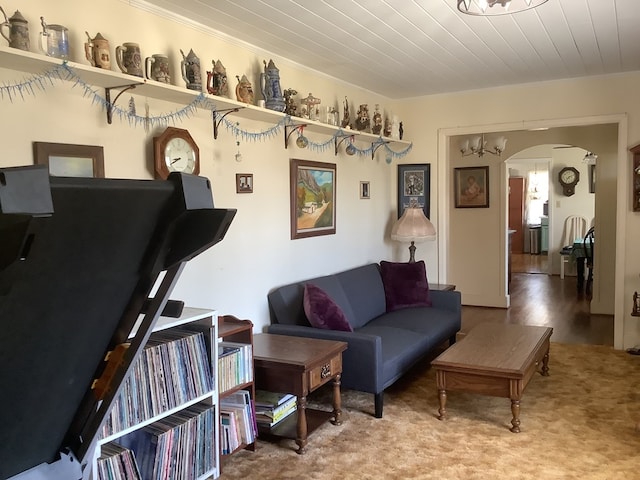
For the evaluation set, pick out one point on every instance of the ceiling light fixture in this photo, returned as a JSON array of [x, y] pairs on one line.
[[477, 146], [496, 7], [590, 158]]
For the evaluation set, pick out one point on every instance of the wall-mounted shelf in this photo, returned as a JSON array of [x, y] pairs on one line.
[[34, 63]]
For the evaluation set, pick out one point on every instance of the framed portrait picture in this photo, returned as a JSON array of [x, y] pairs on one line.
[[244, 182], [365, 190], [313, 198], [471, 187], [69, 160], [414, 187]]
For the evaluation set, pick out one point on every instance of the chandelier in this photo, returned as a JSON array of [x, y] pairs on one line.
[[478, 146], [496, 7], [590, 158]]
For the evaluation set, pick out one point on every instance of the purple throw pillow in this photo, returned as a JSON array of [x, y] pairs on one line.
[[405, 285], [322, 311]]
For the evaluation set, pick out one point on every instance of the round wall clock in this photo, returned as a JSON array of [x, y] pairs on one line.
[[568, 178], [175, 151]]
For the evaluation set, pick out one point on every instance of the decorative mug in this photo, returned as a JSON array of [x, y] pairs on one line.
[[97, 51], [18, 30], [129, 59], [54, 40], [156, 67]]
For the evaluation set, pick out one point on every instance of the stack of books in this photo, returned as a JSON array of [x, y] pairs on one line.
[[272, 408]]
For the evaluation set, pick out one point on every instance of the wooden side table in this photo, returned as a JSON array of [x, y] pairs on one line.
[[298, 365]]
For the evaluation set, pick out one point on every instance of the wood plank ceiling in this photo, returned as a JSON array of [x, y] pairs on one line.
[[409, 48]]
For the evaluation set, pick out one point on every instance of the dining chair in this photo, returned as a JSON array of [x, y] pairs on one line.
[[575, 226], [587, 245]]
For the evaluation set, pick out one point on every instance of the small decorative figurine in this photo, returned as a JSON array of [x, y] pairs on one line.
[[244, 90], [190, 66], [270, 87], [18, 30], [387, 127], [311, 103], [377, 121], [401, 131], [346, 121], [217, 80], [97, 51], [362, 120], [290, 105]]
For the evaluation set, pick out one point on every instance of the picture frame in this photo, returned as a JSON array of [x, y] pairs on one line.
[[592, 179], [313, 198], [70, 160], [471, 187], [414, 187], [244, 182], [365, 190]]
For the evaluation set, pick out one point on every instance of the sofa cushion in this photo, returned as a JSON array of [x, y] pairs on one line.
[[363, 287], [405, 285], [322, 311]]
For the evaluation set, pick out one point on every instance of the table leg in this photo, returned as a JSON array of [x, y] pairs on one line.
[[442, 397], [545, 364], [301, 427], [580, 273], [515, 411], [337, 401]]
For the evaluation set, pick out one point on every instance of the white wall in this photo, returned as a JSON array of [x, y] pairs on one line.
[[257, 254]]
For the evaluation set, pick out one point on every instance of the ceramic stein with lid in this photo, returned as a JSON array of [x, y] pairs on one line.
[[190, 67], [270, 87], [97, 51], [18, 29]]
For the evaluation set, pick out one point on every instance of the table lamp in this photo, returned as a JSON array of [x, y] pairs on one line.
[[413, 226]]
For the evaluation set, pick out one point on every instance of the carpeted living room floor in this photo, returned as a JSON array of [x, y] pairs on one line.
[[581, 422]]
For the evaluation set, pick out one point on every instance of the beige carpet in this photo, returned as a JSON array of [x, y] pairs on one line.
[[578, 423]]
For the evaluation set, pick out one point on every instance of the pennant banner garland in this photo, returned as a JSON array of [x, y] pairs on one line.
[[40, 82]]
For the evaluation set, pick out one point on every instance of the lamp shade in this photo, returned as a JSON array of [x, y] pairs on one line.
[[413, 226]]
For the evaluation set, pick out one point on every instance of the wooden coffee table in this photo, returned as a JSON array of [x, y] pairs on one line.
[[493, 359], [298, 365]]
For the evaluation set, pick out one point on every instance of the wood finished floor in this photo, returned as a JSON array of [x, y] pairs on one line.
[[541, 299]]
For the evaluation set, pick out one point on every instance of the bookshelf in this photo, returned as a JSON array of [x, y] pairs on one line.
[[236, 384], [168, 402]]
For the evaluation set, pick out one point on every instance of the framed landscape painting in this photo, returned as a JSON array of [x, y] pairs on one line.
[[471, 187], [69, 160], [313, 198], [414, 187]]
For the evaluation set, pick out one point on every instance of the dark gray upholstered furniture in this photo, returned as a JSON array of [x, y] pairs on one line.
[[383, 346]]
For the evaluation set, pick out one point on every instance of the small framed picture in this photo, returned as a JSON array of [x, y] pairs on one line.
[[244, 182], [365, 191], [414, 187], [471, 187], [69, 160]]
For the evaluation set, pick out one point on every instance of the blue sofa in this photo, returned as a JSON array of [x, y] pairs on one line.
[[382, 346]]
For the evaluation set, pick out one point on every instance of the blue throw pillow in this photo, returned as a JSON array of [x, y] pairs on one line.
[[405, 285], [322, 311]]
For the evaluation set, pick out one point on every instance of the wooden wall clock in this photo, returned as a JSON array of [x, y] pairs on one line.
[[175, 151], [568, 178]]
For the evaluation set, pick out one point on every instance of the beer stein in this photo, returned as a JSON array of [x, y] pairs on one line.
[[270, 87], [129, 59], [190, 67], [54, 40], [97, 51], [18, 30], [156, 67]]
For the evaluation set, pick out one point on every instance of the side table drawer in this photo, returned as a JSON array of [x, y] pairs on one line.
[[324, 372]]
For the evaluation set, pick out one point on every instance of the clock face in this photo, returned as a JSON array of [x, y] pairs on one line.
[[179, 156], [568, 177]]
